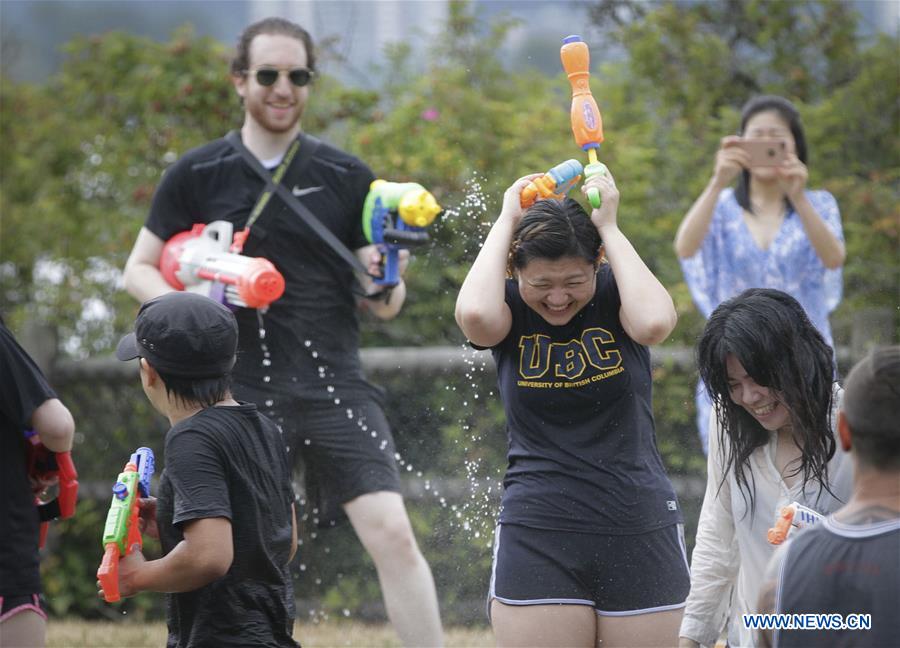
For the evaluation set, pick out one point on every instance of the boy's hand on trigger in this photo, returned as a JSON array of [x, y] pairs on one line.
[[147, 519], [128, 565], [512, 198], [603, 182]]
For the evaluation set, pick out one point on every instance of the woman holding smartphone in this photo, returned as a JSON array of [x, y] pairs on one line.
[[769, 231]]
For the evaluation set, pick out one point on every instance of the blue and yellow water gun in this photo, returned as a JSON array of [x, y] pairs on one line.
[[395, 216]]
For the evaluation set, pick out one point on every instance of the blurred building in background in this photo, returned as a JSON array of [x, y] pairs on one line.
[[356, 32]]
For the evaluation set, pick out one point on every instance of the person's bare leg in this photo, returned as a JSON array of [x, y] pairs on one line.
[[547, 626], [26, 629], [657, 629], [383, 527]]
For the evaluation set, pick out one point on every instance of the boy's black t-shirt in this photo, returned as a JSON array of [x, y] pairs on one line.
[[314, 324], [23, 389], [230, 462], [582, 446]]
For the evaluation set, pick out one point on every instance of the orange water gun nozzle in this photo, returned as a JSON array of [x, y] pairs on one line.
[[587, 124]]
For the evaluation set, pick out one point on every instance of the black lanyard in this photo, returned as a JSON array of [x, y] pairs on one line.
[[273, 185], [276, 179]]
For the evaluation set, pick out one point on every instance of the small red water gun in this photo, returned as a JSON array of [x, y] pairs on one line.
[[44, 466]]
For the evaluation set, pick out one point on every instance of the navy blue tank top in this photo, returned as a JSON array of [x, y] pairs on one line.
[[841, 569], [582, 445]]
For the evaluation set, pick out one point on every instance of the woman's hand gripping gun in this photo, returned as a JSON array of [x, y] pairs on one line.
[[587, 123], [553, 184], [394, 217], [794, 515], [122, 533]]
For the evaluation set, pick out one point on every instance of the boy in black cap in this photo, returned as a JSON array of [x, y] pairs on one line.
[[225, 514]]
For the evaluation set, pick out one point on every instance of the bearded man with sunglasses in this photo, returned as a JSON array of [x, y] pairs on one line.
[[299, 361]]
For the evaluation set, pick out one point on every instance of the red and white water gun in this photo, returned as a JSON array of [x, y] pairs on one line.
[[201, 260]]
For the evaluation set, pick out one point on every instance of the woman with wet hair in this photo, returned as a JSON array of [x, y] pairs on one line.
[[773, 441], [769, 231], [589, 545]]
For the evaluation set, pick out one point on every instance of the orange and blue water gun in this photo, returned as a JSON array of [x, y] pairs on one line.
[[553, 184]]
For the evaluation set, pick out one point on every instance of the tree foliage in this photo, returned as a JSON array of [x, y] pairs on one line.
[[84, 152], [686, 71]]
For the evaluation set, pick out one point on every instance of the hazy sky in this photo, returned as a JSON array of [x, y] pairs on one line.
[[32, 31]]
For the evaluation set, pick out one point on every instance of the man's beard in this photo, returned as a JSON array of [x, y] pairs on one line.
[[259, 112]]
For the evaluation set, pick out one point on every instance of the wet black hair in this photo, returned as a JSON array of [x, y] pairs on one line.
[[554, 229], [271, 26], [790, 114], [771, 336]]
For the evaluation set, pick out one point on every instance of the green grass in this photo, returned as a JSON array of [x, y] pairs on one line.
[[105, 634]]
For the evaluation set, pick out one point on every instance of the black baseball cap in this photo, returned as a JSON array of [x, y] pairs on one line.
[[183, 334]]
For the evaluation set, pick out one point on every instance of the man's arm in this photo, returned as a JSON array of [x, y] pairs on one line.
[[143, 280], [205, 554], [54, 425]]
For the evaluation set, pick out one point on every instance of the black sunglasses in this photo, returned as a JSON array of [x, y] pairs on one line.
[[298, 76]]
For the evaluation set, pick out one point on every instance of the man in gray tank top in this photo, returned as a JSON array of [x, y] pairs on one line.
[[837, 583]]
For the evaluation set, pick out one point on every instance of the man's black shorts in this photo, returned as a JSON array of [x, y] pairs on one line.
[[347, 448], [617, 575]]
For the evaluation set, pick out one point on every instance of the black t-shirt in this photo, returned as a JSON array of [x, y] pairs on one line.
[[314, 324], [582, 447], [842, 569], [230, 462], [23, 389]]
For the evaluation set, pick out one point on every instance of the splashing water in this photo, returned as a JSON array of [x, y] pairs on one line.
[[472, 512]]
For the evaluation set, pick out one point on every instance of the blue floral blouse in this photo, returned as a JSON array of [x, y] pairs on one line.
[[730, 261]]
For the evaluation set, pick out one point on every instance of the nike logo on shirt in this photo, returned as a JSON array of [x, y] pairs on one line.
[[297, 191]]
